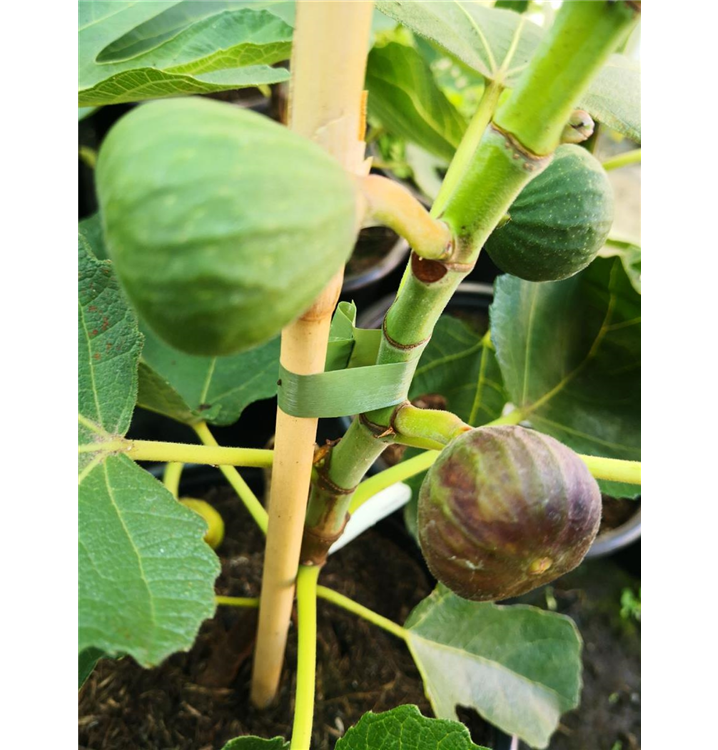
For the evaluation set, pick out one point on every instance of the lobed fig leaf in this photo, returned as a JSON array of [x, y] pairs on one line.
[[559, 221], [223, 225], [505, 510]]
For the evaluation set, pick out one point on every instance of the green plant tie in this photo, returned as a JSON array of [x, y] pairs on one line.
[[351, 382]]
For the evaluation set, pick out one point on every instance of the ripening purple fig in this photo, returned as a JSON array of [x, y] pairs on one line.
[[504, 510]]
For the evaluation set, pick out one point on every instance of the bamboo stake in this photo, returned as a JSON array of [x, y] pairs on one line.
[[325, 104]]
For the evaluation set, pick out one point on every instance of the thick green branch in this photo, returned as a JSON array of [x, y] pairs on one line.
[[467, 148], [575, 48]]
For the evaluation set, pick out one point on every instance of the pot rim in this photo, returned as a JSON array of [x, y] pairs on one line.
[[375, 312], [618, 538], [378, 271]]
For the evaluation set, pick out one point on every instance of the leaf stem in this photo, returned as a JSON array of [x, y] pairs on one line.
[[212, 455], [306, 656], [328, 595], [398, 473], [88, 156], [358, 609], [251, 503], [513, 417], [469, 143], [613, 469], [237, 601], [610, 469], [172, 475], [106, 446], [623, 160]]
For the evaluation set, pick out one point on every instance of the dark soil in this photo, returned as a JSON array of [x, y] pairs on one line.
[[200, 700], [373, 244]]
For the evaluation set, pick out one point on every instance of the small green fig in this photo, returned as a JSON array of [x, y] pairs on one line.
[[223, 225], [559, 221], [504, 510], [215, 522], [579, 128]]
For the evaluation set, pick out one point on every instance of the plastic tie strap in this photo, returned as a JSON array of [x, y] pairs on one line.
[[351, 382]]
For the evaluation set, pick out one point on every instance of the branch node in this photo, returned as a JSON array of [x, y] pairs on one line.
[[403, 347]]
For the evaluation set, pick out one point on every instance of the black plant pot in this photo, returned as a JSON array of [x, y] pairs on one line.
[[378, 253]]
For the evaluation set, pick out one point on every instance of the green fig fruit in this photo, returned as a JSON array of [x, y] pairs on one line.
[[223, 225], [559, 221], [215, 523], [504, 510]]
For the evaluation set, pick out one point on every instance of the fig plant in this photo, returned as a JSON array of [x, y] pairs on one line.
[[218, 229]]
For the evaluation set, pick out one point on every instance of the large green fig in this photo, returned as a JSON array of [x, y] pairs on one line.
[[223, 225], [559, 221], [505, 510]]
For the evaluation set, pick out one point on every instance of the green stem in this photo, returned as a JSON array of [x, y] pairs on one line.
[[351, 606], [306, 657], [575, 48], [398, 473], [332, 596], [237, 601], [610, 469], [623, 160], [251, 503], [88, 156], [392, 205], [327, 509], [613, 469], [493, 169], [513, 417], [172, 476], [213, 455], [467, 148], [433, 425]]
